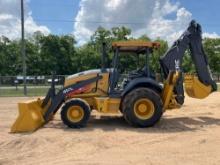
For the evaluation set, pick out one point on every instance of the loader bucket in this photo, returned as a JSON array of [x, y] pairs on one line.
[[194, 88], [30, 116]]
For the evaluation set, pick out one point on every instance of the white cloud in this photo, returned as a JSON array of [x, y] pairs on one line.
[[210, 35], [168, 29], [10, 24], [33, 27], [113, 11], [154, 14]]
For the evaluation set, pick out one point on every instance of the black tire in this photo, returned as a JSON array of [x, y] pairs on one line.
[[129, 107], [85, 117]]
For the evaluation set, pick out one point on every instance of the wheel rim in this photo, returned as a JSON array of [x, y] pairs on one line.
[[75, 113], [144, 108]]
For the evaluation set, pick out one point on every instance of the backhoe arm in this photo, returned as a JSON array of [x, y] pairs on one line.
[[200, 59], [172, 60]]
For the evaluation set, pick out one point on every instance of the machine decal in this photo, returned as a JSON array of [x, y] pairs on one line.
[[70, 92], [67, 90]]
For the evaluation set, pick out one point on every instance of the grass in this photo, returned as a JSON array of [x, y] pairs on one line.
[[31, 91], [36, 91]]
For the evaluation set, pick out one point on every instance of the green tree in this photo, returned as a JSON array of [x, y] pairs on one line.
[[10, 61], [154, 62], [46, 54], [120, 33], [100, 35], [57, 53], [88, 58], [144, 38], [212, 49], [188, 66]]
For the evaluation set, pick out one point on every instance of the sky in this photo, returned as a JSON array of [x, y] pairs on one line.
[[166, 19]]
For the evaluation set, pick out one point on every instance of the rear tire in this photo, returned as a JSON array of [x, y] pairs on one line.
[[142, 107], [75, 113]]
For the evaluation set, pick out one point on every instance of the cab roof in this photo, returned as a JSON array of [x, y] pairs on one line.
[[136, 46]]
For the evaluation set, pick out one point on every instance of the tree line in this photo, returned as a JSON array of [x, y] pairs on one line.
[[62, 55]]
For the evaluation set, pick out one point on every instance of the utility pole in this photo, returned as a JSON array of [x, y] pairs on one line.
[[23, 52]]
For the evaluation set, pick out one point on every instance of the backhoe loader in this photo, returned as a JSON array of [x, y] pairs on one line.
[[139, 97]]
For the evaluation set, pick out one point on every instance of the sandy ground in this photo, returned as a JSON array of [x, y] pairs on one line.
[[187, 136]]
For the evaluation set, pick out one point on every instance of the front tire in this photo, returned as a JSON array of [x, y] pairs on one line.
[[142, 107], [75, 113]]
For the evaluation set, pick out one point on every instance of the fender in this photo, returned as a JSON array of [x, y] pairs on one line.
[[142, 82]]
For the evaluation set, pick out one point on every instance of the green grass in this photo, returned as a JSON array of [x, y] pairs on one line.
[[31, 91], [37, 90], [34, 91]]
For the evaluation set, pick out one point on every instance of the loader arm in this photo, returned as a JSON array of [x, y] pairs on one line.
[[173, 58], [34, 114], [59, 98]]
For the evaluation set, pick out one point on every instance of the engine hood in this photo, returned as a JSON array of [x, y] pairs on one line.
[[85, 75], [87, 72]]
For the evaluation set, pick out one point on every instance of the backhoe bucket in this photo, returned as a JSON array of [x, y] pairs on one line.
[[30, 116], [196, 89]]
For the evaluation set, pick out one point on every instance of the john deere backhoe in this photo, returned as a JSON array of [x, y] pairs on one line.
[[140, 98]]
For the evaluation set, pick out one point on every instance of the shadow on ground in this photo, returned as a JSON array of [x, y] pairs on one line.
[[165, 125]]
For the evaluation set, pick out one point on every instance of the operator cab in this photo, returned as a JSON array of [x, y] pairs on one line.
[[134, 52]]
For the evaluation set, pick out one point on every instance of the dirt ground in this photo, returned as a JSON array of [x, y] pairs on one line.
[[190, 135]]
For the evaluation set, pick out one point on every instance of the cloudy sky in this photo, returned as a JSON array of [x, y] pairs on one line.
[[157, 18]]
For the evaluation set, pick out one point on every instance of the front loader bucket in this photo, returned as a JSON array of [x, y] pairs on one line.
[[196, 89], [30, 116]]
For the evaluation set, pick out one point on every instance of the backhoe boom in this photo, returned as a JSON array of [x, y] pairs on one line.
[[173, 58]]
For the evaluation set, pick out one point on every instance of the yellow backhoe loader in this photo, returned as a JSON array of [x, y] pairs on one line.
[[139, 97]]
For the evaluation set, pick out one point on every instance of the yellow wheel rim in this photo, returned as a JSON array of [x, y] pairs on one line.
[[144, 108], [75, 114]]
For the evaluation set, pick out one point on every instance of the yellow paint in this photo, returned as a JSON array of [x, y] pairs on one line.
[[167, 93], [144, 109], [75, 114], [136, 43], [101, 91], [173, 103], [99, 88], [107, 105], [31, 113], [194, 88], [30, 116]]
